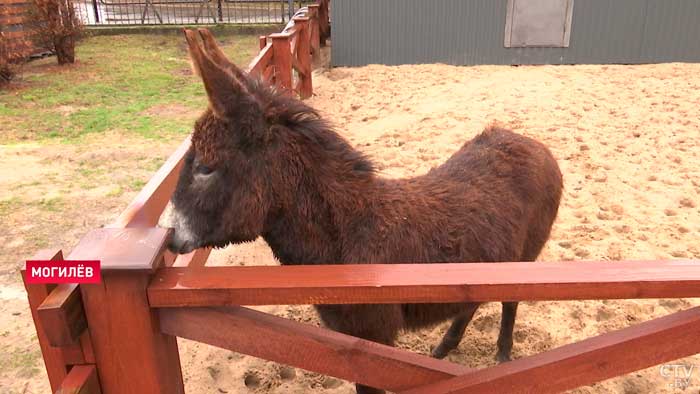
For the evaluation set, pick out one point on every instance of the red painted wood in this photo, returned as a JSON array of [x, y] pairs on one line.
[[644, 345], [312, 348], [146, 208], [61, 313], [399, 283], [131, 353], [314, 29], [261, 61], [303, 54], [82, 379], [196, 258], [54, 359], [124, 248], [282, 58]]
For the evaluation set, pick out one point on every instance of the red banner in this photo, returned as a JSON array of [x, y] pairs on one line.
[[63, 271]]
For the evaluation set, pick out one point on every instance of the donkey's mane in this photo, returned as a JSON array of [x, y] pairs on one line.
[[288, 114]]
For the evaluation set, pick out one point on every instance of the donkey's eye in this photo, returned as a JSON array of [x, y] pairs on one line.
[[204, 170]]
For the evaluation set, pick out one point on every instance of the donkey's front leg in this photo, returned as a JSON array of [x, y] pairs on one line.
[[378, 323]]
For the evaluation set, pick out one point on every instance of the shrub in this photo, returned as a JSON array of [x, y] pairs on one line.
[[57, 27]]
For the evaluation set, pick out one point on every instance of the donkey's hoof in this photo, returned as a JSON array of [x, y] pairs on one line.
[[439, 352], [503, 358]]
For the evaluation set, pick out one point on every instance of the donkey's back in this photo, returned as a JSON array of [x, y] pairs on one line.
[[494, 200]]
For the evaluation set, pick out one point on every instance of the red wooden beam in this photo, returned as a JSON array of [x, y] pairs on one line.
[[146, 208], [312, 348], [82, 379], [644, 345], [282, 58], [422, 283], [131, 353], [261, 61], [62, 315], [54, 358], [196, 258]]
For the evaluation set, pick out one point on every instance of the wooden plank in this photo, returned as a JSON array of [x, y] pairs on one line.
[[82, 379], [21, 34], [282, 58], [62, 315], [123, 248], [146, 208], [54, 360], [420, 283], [261, 61], [196, 258], [269, 74], [12, 20], [315, 38], [19, 9], [131, 353], [62, 311], [304, 57], [644, 345], [312, 348]]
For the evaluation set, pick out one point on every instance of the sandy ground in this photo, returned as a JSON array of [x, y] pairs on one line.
[[627, 140]]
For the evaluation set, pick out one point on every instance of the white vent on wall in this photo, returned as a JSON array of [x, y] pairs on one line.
[[538, 23]]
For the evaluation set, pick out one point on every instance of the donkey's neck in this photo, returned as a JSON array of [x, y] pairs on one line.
[[333, 192]]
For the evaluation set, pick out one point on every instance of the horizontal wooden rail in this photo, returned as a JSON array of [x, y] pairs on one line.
[[62, 314], [82, 379], [196, 258], [261, 61], [423, 283], [301, 345], [146, 208], [592, 360]]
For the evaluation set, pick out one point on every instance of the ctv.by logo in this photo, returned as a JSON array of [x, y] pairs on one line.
[[681, 374]]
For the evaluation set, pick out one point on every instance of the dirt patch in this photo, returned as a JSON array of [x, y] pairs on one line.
[[171, 111]]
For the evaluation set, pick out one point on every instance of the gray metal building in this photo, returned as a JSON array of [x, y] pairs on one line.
[[467, 32]]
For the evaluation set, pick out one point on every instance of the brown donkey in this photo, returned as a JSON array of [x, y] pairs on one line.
[[263, 163]]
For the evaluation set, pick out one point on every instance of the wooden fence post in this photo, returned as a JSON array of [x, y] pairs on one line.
[[131, 353], [54, 358], [303, 54], [314, 30], [282, 59], [323, 22]]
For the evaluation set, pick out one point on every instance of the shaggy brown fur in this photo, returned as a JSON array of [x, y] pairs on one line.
[[265, 164]]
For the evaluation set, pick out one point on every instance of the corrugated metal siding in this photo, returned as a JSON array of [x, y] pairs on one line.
[[468, 32]]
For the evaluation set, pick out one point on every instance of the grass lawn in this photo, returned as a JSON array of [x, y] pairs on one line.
[[76, 144], [131, 84]]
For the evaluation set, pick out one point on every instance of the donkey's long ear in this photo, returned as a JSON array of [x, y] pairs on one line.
[[223, 89], [214, 51]]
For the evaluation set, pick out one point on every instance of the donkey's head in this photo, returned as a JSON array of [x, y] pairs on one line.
[[224, 192], [258, 156]]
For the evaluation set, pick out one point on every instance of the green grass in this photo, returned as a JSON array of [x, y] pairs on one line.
[[112, 87]]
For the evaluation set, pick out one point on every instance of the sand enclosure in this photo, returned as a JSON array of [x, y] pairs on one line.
[[627, 141]]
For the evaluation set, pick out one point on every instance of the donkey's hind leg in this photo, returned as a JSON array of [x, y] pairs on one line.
[[505, 337], [454, 334]]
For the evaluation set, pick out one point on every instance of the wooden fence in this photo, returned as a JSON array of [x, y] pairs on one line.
[[290, 52], [16, 28], [119, 336]]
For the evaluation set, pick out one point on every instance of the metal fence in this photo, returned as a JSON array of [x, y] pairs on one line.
[[185, 12]]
